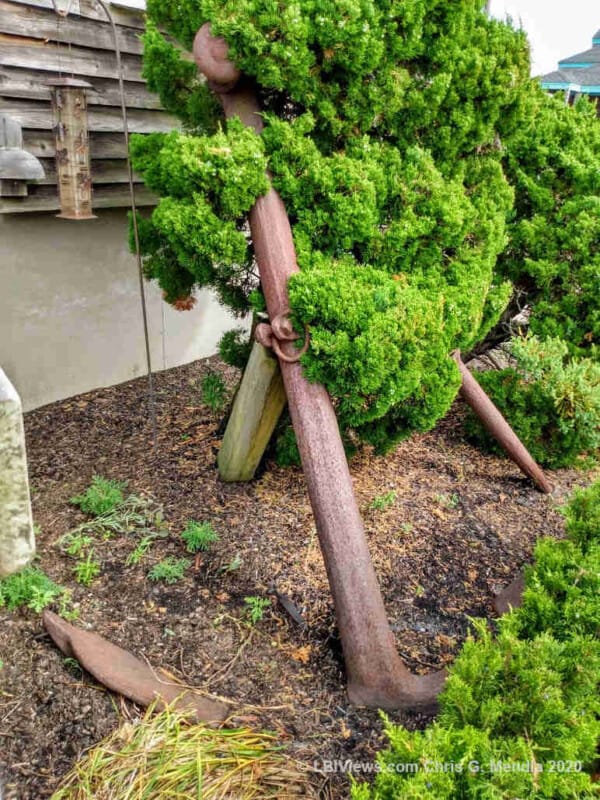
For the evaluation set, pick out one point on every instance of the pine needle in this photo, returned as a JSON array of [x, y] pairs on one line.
[[165, 757]]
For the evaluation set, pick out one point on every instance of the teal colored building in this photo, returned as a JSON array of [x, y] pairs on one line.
[[578, 74]]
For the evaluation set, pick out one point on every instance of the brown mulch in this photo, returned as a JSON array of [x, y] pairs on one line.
[[455, 527]]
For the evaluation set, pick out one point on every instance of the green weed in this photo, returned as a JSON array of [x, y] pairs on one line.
[[86, 569], [235, 563], [255, 608], [140, 550], [450, 501], [31, 588], [101, 497], [170, 570], [382, 501], [199, 536], [213, 391], [74, 543]]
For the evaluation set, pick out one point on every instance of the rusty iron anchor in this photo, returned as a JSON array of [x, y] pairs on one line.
[[376, 674]]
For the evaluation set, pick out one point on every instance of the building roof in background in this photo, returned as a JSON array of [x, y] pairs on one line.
[[579, 73], [585, 59]]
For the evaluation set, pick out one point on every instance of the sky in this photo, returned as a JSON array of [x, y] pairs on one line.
[[555, 30]]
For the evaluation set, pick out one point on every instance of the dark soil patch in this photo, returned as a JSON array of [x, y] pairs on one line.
[[458, 527]]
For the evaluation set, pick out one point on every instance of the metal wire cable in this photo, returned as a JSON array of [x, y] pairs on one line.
[[136, 233]]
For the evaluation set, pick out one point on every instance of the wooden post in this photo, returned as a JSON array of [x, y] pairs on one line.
[[256, 409]]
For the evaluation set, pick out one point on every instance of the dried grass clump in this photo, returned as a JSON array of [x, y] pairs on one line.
[[165, 756]]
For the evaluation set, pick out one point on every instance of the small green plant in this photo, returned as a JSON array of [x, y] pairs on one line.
[[406, 527], [73, 665], [213, 391], [133, 515], [65, 606], [170, 570], [450, 501], [140, 550], [101, 497], [235, 563], [74, 543], [382, 501], [255, 608], [199, 536], [31, 588], [86, 569]]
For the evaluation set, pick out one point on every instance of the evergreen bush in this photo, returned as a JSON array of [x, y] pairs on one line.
[[553, 252], [520, 714], [234, 348], [382, 123], [551, 401]]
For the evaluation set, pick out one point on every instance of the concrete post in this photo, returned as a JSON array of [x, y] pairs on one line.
[[17, 545]]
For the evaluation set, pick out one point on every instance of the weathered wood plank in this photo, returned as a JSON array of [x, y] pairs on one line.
[[36, 54], [102, 145], [45, 198], [36, 115], [108, 170], [258, 405], [132, 18], [18, 19], [20, 83]]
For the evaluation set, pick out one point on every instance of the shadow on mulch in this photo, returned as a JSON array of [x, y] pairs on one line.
[[450, 526]]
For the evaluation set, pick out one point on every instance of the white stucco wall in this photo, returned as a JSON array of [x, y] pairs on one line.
[[70, 314]]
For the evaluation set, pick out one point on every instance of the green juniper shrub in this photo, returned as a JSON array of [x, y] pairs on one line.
[[234, 348], [583, 516], [563, 586], [286, 446], [520, 713], [199, 536], [551, 400], [553, 256], [101, 497], [381, 130]]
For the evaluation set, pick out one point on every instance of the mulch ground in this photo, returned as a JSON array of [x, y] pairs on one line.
[[448, 528]]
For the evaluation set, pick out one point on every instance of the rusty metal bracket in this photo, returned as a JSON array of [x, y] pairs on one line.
[[280, 330]]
